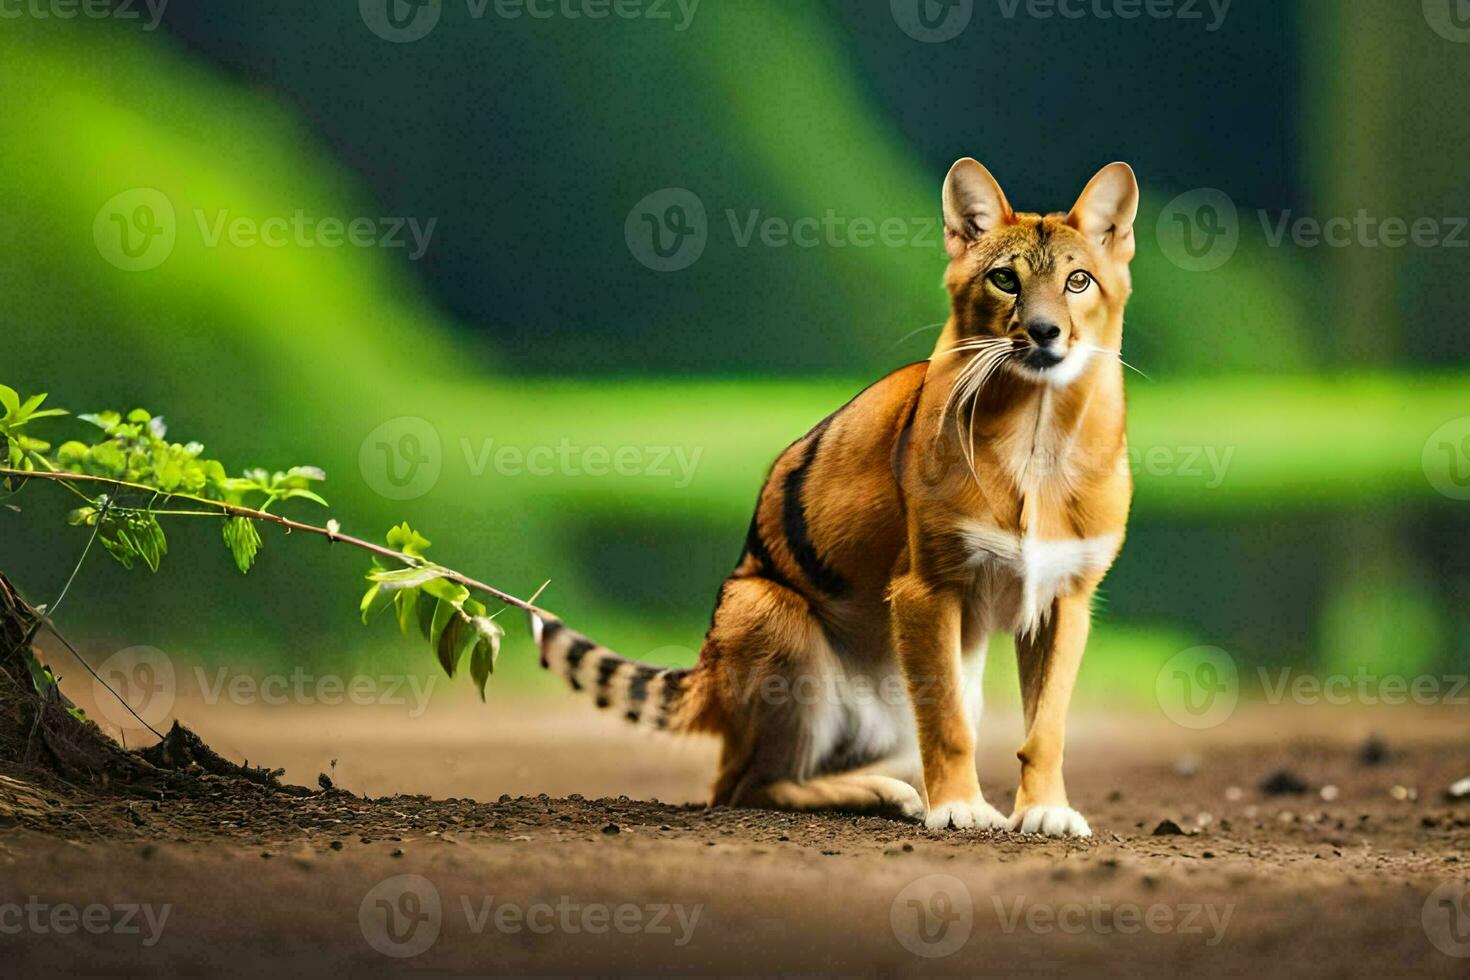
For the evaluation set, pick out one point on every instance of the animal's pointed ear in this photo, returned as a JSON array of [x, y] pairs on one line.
[[973, 205], [1106, 209]]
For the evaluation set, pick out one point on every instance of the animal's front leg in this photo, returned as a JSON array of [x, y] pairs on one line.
[[1048, 662], [926, 626]]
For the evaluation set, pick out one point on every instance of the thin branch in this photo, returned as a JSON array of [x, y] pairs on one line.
[[236, 510], [83, 661], [96, 528]]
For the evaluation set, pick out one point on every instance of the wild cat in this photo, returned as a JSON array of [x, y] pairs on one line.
[[982, 490]]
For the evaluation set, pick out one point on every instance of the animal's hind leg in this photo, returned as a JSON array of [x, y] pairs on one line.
[[791, 718], [859, 791]]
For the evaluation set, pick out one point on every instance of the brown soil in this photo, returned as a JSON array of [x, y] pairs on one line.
[[259, 881]]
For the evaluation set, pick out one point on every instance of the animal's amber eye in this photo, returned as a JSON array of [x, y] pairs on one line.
[[1005, 280], [1078, 282]]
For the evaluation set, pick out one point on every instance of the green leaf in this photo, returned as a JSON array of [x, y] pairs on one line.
[[139, 415], [72, 454], [487, 648], [405, 539], [441, 616], [445, 590], [304, 494], [297, 475], [367, 600], [117, 546], [455, 638], [405, 578], [243, 540], [149, 541], [406, 606], [102, 420], [10, 398]]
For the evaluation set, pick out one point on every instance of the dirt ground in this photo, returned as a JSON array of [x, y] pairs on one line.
[[569, 864]]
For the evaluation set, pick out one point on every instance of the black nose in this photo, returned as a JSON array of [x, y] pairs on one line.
[[1043, 331]]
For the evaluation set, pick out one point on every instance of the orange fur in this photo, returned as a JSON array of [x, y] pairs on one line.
[[927, 513]]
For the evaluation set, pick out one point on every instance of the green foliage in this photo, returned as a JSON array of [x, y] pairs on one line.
[[15, 448], [142, 470], [243, 541], [424, 598], [134, 449]]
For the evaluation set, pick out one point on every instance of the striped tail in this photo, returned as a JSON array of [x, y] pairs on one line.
[[642, 693]]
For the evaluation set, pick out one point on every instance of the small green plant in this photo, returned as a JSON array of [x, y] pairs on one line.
[[145, 479]]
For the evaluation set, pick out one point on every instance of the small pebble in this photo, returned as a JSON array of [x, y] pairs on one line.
[[1283, 782]]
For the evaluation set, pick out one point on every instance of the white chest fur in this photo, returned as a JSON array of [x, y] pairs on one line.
[[1018, 577]]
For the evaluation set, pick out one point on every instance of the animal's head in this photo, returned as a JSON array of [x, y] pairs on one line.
[[1043, 294]]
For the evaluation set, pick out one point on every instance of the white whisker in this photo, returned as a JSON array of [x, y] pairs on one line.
[[915, 332], [991, 354], [1119, 356]]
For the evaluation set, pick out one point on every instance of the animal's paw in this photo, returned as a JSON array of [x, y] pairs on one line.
[[1050, 821], [898, 799], [971, 814]]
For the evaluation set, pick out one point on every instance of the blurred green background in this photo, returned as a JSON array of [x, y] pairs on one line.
[[1285, 434]]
